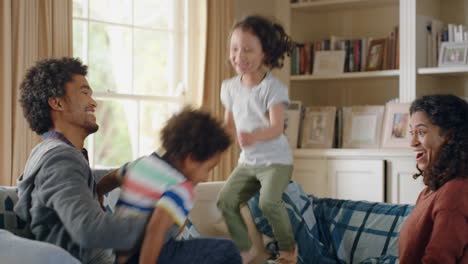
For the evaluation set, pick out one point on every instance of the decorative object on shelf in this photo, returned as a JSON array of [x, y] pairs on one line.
[[396, 132], [292, 123], [329, 62], [453, 54], [318, 127], [362, 126], [375, 55]]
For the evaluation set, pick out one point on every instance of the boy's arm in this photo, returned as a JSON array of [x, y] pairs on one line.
[[111, 180], [155, 233], [273, 131]]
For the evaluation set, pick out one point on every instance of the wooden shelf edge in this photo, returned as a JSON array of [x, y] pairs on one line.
[[333, 4], [355, 153], [459, 70], [349, 75]]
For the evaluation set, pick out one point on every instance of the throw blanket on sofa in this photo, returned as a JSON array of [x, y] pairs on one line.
[[339, 231]]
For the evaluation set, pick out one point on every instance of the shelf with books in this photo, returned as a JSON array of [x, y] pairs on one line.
[[444, 71], [324, 5], [347, 75]]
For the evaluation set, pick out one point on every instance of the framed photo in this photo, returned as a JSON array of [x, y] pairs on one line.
[[396, 133], [362, 126], [329, 62], [453, 54], [375, 55], [292, 122], [319, 127]]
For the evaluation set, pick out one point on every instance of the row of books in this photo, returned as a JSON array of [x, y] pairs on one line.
[[356, 50], [431, 33]]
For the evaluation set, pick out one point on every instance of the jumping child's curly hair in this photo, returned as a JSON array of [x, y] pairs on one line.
[[196, 133], [42, 81], [450, 114], [275, 42]]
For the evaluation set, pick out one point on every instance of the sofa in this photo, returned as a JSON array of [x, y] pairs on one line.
[[326, 230]]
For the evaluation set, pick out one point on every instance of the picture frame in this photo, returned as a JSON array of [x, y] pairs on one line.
[[396, 131], [375, 55], [292, 123], [318, 127], [362, 126], [453, 54], [329, 62]]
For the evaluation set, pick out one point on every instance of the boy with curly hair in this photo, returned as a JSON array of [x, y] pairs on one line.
[[163, 187]]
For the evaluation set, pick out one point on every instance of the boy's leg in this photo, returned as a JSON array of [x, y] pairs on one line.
[[200, 251], [274, 180], [197, 251], [239, 188]]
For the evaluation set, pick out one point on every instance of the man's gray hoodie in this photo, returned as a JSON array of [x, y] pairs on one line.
[[58, 199]]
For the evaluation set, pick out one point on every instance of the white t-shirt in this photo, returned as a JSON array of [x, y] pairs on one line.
[[249, 107]]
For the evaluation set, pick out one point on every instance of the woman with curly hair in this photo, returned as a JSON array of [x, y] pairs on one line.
[[437, 229]]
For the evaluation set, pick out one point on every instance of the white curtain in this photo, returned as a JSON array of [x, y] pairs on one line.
[[217, 68], [29, 30]]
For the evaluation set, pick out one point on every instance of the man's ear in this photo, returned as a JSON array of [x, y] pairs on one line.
[[55, 103]]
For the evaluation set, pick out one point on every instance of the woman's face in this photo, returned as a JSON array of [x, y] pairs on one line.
[[425, 139]]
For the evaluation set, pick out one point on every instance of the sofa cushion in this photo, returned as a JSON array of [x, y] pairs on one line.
[[359, 230], [8, 219]]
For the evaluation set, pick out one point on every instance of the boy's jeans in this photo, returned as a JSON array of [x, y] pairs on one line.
[[197, 251]]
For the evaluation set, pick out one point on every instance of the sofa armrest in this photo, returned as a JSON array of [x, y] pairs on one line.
[[209, 221]]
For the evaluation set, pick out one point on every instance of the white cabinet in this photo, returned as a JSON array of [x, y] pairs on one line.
[[312, 175], [372, 175], [401, 187], [357, 179]]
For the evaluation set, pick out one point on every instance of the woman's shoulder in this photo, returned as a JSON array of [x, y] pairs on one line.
[[453, 195]]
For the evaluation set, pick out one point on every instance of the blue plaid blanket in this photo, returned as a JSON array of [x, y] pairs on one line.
[[339, 231]]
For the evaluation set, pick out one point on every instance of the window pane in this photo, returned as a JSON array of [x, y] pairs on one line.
[[113, 143], [154, 13], [110, 58], [152, 56], [80, 40], [116, 11], [80, 8], [153, 117]]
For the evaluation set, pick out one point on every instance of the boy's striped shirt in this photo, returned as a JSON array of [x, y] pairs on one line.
[[151, 182]]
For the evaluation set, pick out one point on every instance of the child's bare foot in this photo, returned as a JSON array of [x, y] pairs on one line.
[[248, 255], [287, 257]]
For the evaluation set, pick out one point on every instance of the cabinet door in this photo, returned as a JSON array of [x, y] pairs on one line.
[[357, 179], [312, 175], [402, 188]]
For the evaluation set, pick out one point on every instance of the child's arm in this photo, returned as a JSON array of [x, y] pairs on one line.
[[155, 233], [111, 180], [273, 131], [229, 124]]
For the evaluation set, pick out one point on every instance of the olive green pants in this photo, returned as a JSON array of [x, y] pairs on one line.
[[242, 184]]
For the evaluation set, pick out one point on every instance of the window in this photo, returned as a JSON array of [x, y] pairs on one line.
[[136, 53]]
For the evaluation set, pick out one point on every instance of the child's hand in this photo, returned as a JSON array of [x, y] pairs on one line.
[[245, 139]]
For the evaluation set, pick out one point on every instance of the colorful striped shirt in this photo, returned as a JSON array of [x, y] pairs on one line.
[[152, 182]]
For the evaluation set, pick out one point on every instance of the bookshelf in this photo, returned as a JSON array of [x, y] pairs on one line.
[[430, 80], [305, 21]]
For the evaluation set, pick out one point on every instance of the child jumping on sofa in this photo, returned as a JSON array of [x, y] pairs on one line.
[[162, 186], [255, 103]]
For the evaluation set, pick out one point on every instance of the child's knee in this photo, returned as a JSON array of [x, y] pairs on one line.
[[269, 206], [227, 203]]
